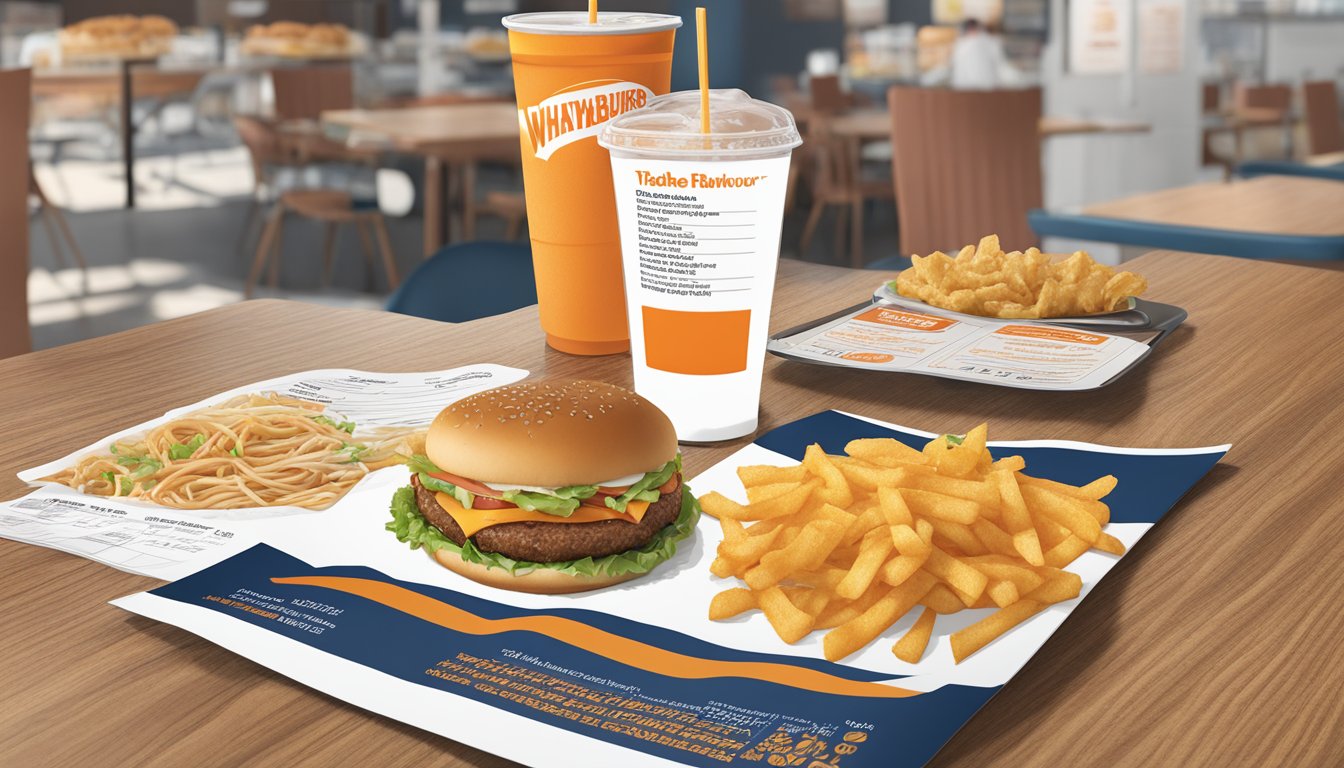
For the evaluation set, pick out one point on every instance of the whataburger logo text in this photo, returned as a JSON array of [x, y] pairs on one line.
[[573, 115]]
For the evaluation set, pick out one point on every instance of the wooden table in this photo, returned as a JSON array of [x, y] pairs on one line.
[[448, 137], [1278, 204], [131, 79], [1326, 158], [1216, 642], [874, 124]]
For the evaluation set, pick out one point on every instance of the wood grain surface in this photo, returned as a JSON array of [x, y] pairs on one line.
[[433, 130], [1215, 642], [1284, 204], [871, 124]]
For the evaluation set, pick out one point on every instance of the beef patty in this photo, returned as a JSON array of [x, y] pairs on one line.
[[555, 542]]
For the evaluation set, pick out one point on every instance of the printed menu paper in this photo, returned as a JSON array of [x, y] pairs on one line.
[[634, 674], [168, 543], [1023, 354]]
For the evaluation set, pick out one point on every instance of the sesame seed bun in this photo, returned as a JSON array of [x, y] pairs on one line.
[[551, 433]]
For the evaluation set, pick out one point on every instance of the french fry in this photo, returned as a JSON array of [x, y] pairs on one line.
[[956, 574], [782, 505], [764, 474], [908, 542], [805, 552], [875, 449], [835, 488], [1065, 510], [1058, 588], [910, 648], [869, 519], [759, 493], [871, 478], [849, 544], [971, 639], [1002, 593], [872, 554], [993, 537], [731, 602], [789, 621], [983, 493], [898, 569], [893, 506], [1108, 543], [955, 535], [732, 529], [937, 505], [808, 600], [748, 549], [941, 599], [1065, 552], [864, 628]]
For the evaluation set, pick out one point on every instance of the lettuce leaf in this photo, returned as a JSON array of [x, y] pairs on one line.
[[411, 528], [345, 426], [646, 488], [179, 451], [463, 496]]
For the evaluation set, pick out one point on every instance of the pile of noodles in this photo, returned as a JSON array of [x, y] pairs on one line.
[[252, 451]]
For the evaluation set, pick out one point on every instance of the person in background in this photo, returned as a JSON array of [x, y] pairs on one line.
[[978, 61]]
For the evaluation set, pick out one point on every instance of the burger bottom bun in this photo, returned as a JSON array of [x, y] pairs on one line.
[[540, 581]]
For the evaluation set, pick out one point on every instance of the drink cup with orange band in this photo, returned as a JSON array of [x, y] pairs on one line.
[[571, 77], [700, 218]]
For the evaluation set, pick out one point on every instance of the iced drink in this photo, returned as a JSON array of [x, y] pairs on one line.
[[700, 218], [571, 77]]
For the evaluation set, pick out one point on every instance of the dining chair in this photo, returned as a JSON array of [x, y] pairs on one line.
[[966, 164], [15, 103], [53, 219], [839, 183], [826, 94], [1320, 111], [468, 281], [302, 94]]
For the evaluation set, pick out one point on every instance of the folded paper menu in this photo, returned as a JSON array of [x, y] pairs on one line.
[[1013, 353]]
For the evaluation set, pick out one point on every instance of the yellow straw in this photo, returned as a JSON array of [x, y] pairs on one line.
[[702, 49], [592, 11]]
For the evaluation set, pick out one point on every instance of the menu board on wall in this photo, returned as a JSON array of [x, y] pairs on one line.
[[1161, 36], [1100, 36]]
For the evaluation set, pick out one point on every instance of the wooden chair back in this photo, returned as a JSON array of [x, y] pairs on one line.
[[827, 97], [1276, 97], [304, 93], [965, 164], [832, 165], [15, 102], [1320, 110], [1212, 98], [263, 146]]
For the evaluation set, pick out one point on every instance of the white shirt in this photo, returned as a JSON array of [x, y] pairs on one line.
[[978, 63]]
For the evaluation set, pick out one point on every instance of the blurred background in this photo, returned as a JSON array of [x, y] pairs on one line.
[[185, 154]]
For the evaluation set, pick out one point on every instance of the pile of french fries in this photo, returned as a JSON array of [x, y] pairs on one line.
[[851, 543]]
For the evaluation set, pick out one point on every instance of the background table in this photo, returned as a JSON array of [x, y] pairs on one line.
[[873, 124], [1216, 642], [448, 137], [1280, 204]]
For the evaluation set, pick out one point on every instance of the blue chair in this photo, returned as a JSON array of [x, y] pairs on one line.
[[889, 264], [1223, 242], [1289, 168], [468, 281]]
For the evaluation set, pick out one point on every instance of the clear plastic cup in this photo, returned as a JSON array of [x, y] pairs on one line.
[[700, 217]]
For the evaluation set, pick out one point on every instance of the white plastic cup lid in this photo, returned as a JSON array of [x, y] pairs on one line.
[[576, 23], [669, 125]]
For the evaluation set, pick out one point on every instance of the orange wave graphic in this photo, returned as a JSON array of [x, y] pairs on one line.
[[622, 649]]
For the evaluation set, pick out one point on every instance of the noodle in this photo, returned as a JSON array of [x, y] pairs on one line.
[[252, 451]]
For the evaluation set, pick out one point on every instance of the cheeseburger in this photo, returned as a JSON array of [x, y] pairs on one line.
[[550, 487]]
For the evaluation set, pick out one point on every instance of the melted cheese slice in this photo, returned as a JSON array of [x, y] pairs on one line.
[[473, 520]]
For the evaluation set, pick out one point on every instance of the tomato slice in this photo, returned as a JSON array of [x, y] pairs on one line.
[[671, 484], [483, 500]]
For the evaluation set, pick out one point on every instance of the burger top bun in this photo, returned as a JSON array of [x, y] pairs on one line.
[[551, 433]]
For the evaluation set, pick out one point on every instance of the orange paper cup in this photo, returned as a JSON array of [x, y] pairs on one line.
[[571, 77]]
